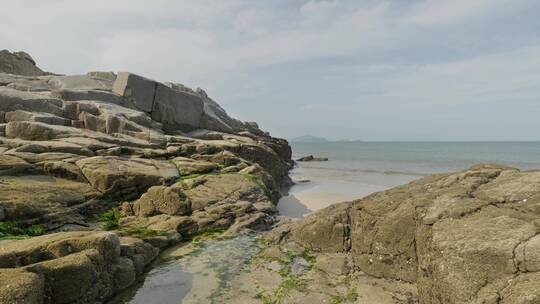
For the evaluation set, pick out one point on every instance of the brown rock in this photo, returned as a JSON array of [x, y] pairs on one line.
[[20, 286], [188, 166], [162, 200], [465, 237], [127, 177]]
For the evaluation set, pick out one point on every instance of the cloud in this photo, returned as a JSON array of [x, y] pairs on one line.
[[316, 6], [271, 61]]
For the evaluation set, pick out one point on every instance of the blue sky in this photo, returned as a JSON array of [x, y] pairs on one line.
[[371, 70]]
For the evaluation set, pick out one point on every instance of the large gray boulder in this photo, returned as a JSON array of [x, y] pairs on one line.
[[177, 109], [176, 106], [139, 90]]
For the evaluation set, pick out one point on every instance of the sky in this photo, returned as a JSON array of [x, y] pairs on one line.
[[342, 69]]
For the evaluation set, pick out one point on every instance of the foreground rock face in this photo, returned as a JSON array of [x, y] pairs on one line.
[[168, 159], [466, 237]]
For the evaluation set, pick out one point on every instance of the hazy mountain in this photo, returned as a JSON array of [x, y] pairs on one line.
[[309, 139]]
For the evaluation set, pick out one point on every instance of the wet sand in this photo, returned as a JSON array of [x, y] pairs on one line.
[[317, 187]]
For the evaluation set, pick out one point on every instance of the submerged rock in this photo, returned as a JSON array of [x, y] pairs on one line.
[[310, 158]]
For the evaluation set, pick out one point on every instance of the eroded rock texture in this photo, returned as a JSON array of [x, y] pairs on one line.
[[465, 237], [169, 158]]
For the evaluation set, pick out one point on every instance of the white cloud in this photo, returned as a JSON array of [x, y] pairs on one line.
[[316, 6], [335, 54]]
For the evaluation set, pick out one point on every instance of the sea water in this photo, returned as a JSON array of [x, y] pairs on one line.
[[356, 169]]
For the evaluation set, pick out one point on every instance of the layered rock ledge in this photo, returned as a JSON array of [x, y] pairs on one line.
[[154, 163]]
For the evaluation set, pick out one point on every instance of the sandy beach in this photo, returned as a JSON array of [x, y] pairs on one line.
[[316, 188]]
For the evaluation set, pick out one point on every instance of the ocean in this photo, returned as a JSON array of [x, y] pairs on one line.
[[356, 169]]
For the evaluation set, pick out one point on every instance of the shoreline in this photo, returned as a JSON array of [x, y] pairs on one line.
[[315, 189]]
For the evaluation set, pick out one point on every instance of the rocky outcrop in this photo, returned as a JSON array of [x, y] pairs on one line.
[[152, 162], [19, 63], [311, 158], [465, 237], [177, 107]]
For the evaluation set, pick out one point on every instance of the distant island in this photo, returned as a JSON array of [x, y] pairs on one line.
[[309, 139], [317, 139]]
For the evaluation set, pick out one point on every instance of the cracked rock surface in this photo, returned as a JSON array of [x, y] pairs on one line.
[[465, 237]]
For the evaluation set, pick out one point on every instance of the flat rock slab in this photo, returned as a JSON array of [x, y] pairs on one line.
[[188, 166], [12, 100], [38, 131], [80, 82], [126, 177], [32, 196], [210, 189], [11, 165], [53, 147]]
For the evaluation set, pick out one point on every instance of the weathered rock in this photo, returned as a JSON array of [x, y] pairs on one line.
[[268, 159], [34, 158], [188, 166], [20, 286], [140, 253], [36, 116], [38, 131], [63, 169], [177, 109], [126, 177], [79, 94], [162, 200], [461, 237], [56, 125], [124, 273], [210, 189], [26, 197], [528, 255], [310, 158], [184, 225], [74, 267], [102, 74], [46, 146], [11, 165], [216, 118], [12, 100], [19, 63], [139, 90], [30, 85], [53, 246], [80, 82]]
